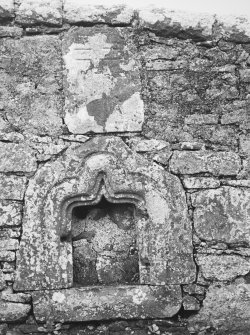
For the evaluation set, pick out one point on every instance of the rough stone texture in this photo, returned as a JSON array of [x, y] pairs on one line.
[[16, 158], [6, 9], [10, 312], [76, 12], [10, 244], [215, 163], [10, 213], [102, 84], [201, 182], [223, 267], [164, 230], [102, 304], [47, 12], [225, 309], [31, 83], [12, 187], [222, 215], [10, 31]]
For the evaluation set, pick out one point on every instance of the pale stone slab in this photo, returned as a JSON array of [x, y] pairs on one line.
[[102, 81], [103, 303], [233, 27], [10, 312], [200, 182], [222, 267], [10, 31], [237, 183], [31, 12], [226, 308], [10, 213], [222, 214], [17, 158], [6, 9], [12, 187], [76, 11], [216, 163]]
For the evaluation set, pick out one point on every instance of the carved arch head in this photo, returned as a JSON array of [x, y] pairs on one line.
[[103, 167]]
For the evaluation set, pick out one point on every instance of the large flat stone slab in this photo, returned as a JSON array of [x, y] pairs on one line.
[[101, 82], [222, 214], [104, 303]]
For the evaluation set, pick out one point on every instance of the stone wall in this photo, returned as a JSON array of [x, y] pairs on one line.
[[166, 92]]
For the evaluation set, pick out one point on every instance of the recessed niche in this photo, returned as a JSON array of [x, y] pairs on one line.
[[105, 250]]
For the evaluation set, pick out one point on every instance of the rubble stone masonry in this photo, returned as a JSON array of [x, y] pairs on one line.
[[124, 171]]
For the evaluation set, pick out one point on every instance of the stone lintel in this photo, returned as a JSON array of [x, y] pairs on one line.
[[104, 303]]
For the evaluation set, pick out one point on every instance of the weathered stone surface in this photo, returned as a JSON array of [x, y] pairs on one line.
[[10, 312], [222, 215], [148, 145], [226, 308], [237, 183], [201, 182], [216, 163], [31, 84], [7, 256], [10, 31], [17, 158], [10, 244], [177, 23], [233, 28], [190, 303], [102, 83], [31, 12], [2, 281], [76, 12], [201, 119], [10, 232], [6, 9], [10, 213], [163, 228], [244, 145], [22, 298], [12, 187], [107, 303], [223, 267]]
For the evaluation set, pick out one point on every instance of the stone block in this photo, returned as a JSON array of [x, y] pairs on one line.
[[30, 12], [10, 213], [226, 309], [6, 9], [10, 31], [13, 312], [244, 145], [10, 244], [22, 298], [180, 24], [126, 302], [102, 81], [222, 215], [201, 119], [7, 256], [2, 281], [234, 28], [12, 187], [17, 158], [200, 182], [222, 267], [215, 163], [76, 11], [190, 303], [31, 84], [10, 232]]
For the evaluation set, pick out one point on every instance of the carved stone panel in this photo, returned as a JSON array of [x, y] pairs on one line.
[[102, 215]]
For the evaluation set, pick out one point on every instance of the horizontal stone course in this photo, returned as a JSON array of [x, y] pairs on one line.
[[103, 303], [215, 163], [31, 12], [12, 187]]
